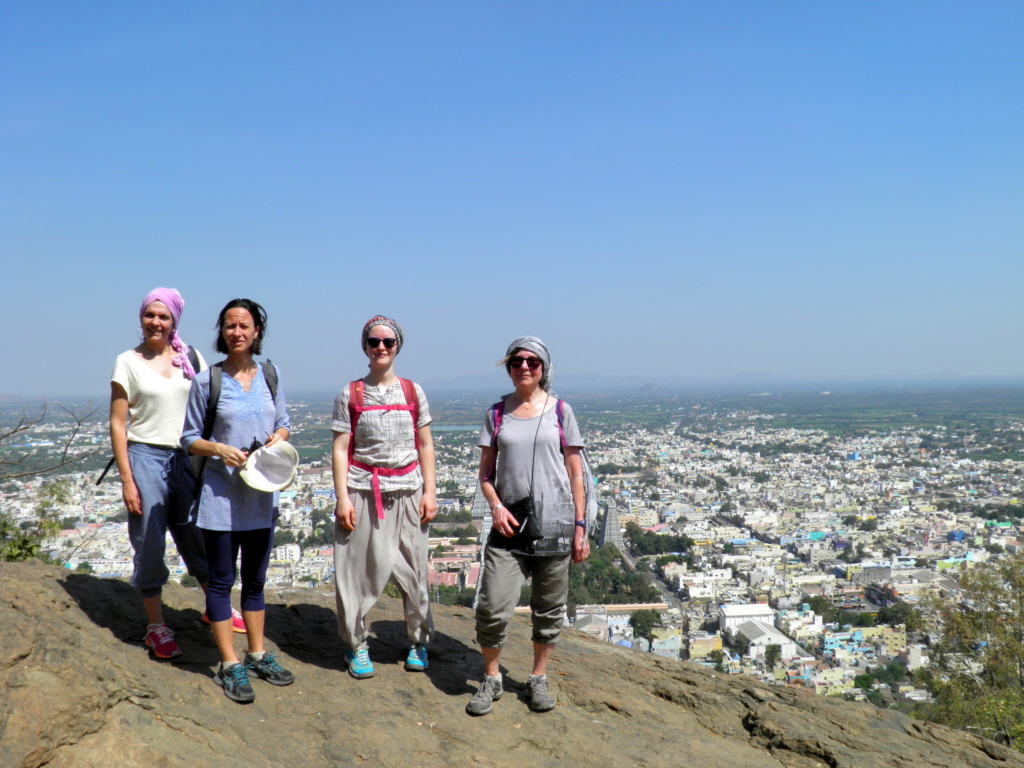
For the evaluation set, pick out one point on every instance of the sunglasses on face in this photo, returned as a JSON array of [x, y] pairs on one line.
[[532, 362], [374, 342]]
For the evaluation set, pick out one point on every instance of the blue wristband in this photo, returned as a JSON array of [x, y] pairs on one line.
[[581, 523]]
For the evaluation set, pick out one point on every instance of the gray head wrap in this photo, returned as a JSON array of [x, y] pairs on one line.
[[387, 322], [535, 345]]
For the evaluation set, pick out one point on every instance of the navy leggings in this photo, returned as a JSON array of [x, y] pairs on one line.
[[222, 553]]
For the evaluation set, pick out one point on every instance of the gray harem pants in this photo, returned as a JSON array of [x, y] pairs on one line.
[[364, 560]]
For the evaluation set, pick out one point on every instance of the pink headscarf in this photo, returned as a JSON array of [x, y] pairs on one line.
[[171, 299]]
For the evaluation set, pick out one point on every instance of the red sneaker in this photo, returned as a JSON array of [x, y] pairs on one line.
[[160, 640], [237, 622]]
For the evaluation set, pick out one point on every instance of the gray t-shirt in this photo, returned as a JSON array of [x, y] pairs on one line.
[[552, 494]]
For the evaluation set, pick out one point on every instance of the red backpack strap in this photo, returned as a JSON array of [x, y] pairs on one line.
[[560, 413], [409, 390], [356, 398]]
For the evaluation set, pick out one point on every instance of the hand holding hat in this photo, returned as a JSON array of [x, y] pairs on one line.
[[272, 467]]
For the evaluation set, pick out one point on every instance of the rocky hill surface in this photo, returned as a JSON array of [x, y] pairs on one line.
[[78, 688]]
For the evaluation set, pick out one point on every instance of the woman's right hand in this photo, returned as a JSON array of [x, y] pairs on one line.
[[345, 513], [233, 457], [131, 498], [503, 521]]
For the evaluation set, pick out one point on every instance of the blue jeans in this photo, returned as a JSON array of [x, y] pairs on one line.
[[164, 481], [223, 547]]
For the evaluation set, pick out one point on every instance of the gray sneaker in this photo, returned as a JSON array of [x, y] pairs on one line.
[[540, 699], [490, 690]]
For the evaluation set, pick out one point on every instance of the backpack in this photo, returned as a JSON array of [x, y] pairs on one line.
[[198, 463], [356, 406], [193, 359], [498, 414]]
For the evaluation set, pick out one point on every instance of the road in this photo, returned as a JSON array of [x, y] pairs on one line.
[[666, 592]]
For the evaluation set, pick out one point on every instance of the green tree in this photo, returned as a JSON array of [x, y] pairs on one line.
[[864, 681], [84, 567], [741, 644], [718, 657], [978, 654], [283, 536], [643, 623], [772, 655], [190, 581], [901, 613]]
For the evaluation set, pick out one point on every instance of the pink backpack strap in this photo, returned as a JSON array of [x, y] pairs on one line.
[[497, 414], [409, 390], [560, 413], [356, 398]]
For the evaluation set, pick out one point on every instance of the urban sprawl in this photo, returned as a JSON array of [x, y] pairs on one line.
[[793, 541]]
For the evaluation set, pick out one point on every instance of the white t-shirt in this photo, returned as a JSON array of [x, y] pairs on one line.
[[156, 404]]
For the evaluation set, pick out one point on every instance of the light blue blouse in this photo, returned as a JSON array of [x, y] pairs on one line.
[[226, 503]]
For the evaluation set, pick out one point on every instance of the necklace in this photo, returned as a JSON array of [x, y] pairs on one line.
[[527, 404]]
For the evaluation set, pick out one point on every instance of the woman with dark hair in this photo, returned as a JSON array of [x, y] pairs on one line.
[[529, 458], [148, 392], [384, 482], [231, 514]]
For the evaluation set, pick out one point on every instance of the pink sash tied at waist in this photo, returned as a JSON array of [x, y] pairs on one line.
[[379, 472]]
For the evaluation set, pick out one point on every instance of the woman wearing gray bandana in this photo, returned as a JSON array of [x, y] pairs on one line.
[[530, 448]]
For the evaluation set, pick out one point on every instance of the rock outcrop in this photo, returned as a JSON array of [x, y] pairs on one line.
[[78, 688]]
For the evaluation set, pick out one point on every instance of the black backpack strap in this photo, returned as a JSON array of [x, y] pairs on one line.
[[193, 359], [216, 383], [270, 376]]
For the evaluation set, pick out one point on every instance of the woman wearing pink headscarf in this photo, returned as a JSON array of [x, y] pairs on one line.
[[148, 394]]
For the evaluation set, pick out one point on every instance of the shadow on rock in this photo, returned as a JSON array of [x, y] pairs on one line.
[[306, 632], [452, 662], [116, 606]]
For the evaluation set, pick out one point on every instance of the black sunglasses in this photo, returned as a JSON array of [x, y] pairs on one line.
[[517, 362], [375, 342]]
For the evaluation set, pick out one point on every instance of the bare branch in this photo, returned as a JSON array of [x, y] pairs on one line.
[[66, 458]]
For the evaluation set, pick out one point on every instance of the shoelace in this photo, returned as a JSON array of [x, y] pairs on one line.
[[268, 661], [363, 654], [163, 633], [238, 673]]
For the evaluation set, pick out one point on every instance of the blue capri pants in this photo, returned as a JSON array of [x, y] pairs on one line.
[[164, 481], [222, 548]]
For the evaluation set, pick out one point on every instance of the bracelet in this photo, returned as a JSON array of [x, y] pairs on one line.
[[581, 523], [497, 507]]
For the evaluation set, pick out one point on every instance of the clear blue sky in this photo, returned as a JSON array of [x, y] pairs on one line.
[[703, 189]]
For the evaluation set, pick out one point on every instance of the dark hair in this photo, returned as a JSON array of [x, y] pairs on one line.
[[259, 319]]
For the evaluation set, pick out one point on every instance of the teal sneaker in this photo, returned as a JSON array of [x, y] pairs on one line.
[[359, 664], [416, 661], [268, 669], [235, 682]]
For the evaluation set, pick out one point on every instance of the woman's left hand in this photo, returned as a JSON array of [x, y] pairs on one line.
[[580, 545], [428, 507], [274, 438]]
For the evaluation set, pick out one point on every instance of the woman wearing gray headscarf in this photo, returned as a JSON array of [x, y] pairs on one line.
[[530, 449]]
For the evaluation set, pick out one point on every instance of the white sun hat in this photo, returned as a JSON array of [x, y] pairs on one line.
[[271, 469]]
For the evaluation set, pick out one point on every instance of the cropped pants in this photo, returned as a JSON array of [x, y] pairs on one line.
[[502, 581], [164, 481], [364, 560], [222, 548]]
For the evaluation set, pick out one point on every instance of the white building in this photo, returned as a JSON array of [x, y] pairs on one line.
[[732, 615]]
